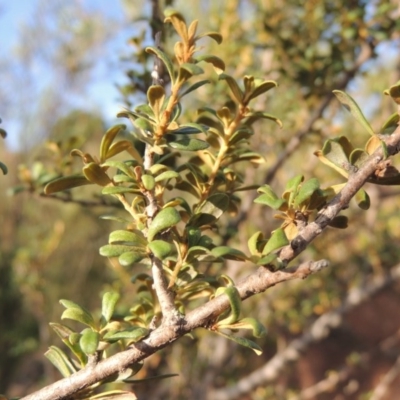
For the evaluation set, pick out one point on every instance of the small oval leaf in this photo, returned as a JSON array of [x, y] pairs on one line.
[[277, 240], [95, 174], [189, 144], [108, 304], [165, 59], [216, 62], [161, 249], [134, 238], [236, 91], [132, 335], [166, 218], [351, 106], [89, 341], [80, 315], [60, 360], [215, 205], [228, 253], [363, 200], [235, 303], [131, 257], [148, 182], [65, 183], [262, 88], [108, 138]]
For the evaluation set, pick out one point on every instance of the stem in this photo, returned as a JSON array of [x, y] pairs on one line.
[[223, 150]]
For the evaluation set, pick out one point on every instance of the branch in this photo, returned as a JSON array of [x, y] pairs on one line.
[[203, 316], [165, 335], [365, 54], [319, 330]]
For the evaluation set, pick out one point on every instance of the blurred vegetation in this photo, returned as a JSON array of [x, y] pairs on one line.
[[49, 247]]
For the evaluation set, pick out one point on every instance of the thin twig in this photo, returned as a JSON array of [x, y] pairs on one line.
[[295, 141], [164, 294]]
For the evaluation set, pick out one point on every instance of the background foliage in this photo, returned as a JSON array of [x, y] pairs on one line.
[[49, 248]]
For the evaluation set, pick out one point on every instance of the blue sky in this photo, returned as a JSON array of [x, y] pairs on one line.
[[100, 94]]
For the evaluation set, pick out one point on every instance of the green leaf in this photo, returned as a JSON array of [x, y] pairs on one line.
[[107, 140], [213, 35], [394, 92], [362, 199], [253, 243], [131, 257], [243, 342], [148, 182], [189, 144], [193, 235], [95, 174], [351, 106], [89, 341], [61, 330], [235, 304], [66, 182], [3, 168], [390, 124], [334, 156], [215, 205], [60, 360], [307, 189], [190, 128], [236, 91], [277, 240], [143, 124], [192, 69], [262, 88], [167, 175], [166, 218], [251, 324], [161, 249], [178, 22], [108, 304], [251, 156], [115, 250], [133, 334], [269, 259], [121, 166], [134, 238], [216, 62], [255, 116], [187, 187], [292, 187], [269, 198], [228, 253], [118, 190], [194, 87], [78, 314], [165, 59], [120, 146], [156, 96], [358, 157]]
